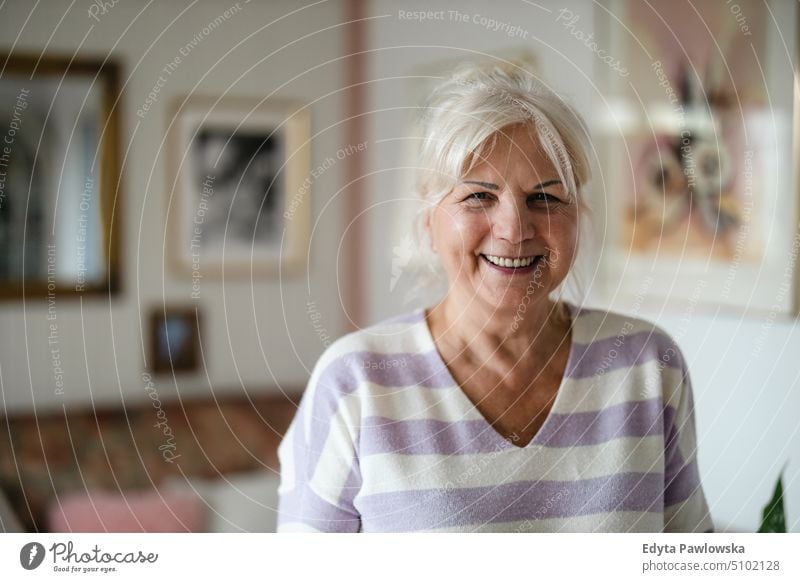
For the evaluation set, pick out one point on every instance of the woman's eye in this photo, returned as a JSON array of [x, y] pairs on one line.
[[543, 197], [477, 197]]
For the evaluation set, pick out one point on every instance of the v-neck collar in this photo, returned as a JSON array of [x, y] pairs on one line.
[[549, 426]]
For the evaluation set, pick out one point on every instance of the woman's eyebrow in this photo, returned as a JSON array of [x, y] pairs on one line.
[[491, 186], [546, 184], [488, 185]]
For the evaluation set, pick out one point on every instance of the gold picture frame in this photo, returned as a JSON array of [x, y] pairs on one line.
[[60, 177]]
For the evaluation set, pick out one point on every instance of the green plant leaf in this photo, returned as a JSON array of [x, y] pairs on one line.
[[774, 517]]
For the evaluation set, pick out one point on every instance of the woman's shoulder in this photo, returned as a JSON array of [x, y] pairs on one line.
[[627, 333], [379, 342], [627, 357]]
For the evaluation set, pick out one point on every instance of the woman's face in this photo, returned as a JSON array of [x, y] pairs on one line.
[[510, 209]]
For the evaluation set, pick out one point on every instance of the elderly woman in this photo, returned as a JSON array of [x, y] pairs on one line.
[[499, 408]]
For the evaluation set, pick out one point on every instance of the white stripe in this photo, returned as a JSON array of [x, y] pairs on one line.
[[629, 384], [391, 472], [287, 461], [382, 339], [337, 453], [635, 384], [595, 326], [618, 521], [415, 403]]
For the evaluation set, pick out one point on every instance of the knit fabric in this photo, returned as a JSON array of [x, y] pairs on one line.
[[385, 440]]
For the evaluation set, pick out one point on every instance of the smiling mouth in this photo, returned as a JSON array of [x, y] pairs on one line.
[[515, 265]]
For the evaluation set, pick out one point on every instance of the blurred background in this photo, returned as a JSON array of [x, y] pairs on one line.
[[198, 197]]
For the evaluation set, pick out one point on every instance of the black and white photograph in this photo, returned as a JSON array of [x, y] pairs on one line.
[[243, 170], [232, 184]]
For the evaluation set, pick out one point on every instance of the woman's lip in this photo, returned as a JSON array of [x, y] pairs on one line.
[[514, 270]]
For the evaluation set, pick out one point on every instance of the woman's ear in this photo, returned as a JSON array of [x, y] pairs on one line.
[[429, 230]]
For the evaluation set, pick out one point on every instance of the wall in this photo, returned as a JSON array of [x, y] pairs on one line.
[[746, 403], [257, 335]]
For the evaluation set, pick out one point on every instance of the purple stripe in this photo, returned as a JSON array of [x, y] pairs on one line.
[[673, 460], [305, 506], [681, 479], [522, 500], [603, 356], [423, 369], [324, 406], [343, 376], [682, 484], [340, 378], [428, 436], [627, 419]]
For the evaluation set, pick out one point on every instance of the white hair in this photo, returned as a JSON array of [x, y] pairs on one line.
[[460, 124]]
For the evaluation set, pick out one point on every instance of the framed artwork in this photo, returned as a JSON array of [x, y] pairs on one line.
[[239, 192], [696, 186], [59, 177], [174, 340]]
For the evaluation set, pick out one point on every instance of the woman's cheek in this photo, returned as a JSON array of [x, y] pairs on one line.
[[566, 255], [471, 226], [461, 232], [562, 226], [449, 237]]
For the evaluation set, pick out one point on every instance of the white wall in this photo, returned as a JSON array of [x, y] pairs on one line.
[[100, 341], [747, 405]]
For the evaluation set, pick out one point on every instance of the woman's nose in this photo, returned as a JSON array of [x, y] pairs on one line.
[[512, 222]]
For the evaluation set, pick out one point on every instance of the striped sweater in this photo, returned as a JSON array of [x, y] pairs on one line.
[[385, 440]]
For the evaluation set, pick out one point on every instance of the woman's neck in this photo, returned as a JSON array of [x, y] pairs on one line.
[[471, 328]]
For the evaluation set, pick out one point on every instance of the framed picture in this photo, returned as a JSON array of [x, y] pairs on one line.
[[697, 185], [240, 200], [174, 340], [59, 177]]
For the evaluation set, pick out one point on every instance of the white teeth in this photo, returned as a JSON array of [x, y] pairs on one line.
[[504, 262]]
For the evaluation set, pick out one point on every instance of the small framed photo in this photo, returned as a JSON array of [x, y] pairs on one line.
[[239, 191], [175, 340]]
